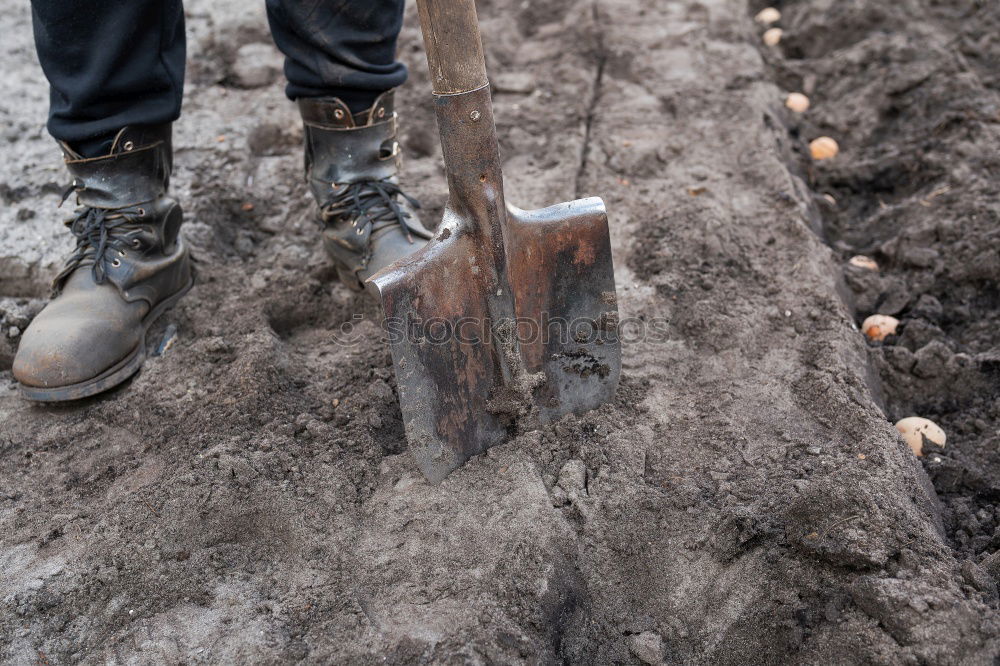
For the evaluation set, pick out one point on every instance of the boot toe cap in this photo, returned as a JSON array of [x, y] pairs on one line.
[[57, 353], [389, 248]]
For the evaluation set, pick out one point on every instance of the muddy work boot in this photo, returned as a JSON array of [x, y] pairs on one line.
[[352, 163], [130, 265]]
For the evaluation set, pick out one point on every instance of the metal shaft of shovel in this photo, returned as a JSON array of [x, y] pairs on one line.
[[507, 315]]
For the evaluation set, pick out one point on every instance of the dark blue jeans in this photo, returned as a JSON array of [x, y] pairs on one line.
[[112, 63]]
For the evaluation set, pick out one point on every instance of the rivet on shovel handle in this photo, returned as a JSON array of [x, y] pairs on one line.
[[508, 318]]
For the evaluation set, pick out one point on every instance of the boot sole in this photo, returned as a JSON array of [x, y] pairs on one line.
[[113, 376]]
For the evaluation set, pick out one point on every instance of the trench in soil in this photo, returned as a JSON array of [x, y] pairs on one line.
[[915, 188]]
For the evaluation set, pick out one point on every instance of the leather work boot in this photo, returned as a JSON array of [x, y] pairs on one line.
[[352, 163], [130, 265]]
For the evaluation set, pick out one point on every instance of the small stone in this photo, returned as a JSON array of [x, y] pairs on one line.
[[166, 341], [647, 647], [13, 332]]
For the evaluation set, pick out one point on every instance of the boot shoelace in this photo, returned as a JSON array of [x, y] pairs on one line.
[[368, 203], [99, 232]]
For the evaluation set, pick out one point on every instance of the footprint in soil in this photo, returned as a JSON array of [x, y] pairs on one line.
[[320, 308]]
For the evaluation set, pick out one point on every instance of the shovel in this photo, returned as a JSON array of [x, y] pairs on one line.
[[507, 318]]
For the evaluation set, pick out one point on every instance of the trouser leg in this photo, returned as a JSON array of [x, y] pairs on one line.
[[110, 63], [339, 48]]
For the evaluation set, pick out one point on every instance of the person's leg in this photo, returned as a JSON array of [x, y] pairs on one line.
[[110, 64], [341, 68], [115, 68], [339, 48]]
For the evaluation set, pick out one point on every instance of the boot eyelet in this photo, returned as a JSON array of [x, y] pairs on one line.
[[136, 243], [338, 114], [128, 146], [360, 231], [381, 112], [116, 263], [142, 212], [121, 253]]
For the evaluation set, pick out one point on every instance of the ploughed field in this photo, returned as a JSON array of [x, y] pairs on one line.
[[746, 499]]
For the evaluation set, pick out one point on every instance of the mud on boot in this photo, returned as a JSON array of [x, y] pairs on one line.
[[129, 266], [352, 163]]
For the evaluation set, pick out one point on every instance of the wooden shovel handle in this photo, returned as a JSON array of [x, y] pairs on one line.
[[454, 47]]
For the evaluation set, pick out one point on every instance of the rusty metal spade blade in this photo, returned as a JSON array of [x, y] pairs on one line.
[[507, 315]]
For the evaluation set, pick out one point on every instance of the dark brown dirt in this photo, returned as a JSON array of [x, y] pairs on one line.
[[918, 189], [249, 497]]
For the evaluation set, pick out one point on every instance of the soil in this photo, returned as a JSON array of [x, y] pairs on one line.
[[917, 190], [249, 497]]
